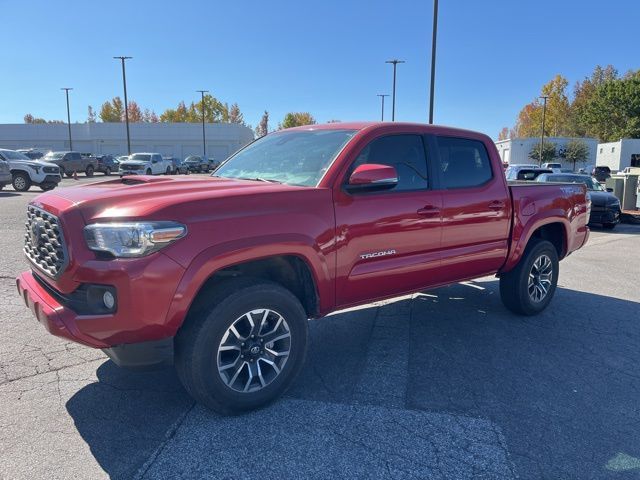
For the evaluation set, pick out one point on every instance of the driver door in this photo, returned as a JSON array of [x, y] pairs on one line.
[[388, 241]]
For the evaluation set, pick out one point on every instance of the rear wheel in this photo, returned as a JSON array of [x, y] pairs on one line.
[[530, 286], [89, 171], [244, 349], [168, 171], [107, 171], [21, 182], [148, 172]]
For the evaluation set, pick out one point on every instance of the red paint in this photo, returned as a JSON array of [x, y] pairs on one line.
[[359, 247]]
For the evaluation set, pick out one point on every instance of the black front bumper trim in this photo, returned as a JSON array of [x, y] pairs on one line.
[[151, 355]]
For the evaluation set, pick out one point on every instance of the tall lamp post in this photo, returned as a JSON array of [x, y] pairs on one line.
[[544, 112], [433, 59], [66, 91], [395, 63], [126, 105], [204, 144], [381, 95]]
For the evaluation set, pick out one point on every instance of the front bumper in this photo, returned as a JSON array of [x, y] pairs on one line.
[[51, 180], [144, 289], [607, 215]]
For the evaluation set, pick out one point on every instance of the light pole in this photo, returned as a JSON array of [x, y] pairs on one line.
[[204, 144], [544, 112], [433, 59], [66, 91], [381, 95], [126, 106], [395, 63]]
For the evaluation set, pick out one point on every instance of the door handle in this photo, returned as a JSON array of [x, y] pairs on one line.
[[496, 205], [429, 211]]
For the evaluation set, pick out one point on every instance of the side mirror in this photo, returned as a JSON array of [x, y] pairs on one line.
[[373, 176], [610, 190]]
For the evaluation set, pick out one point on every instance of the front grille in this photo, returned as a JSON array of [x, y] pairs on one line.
[[131, 167], [50, 169], [44, 242]]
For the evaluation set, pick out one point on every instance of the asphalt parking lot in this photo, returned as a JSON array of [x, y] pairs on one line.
[[443, 384]]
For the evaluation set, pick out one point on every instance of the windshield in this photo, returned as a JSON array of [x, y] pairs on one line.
[[192, 159], [291, 157], [140, 156], [11, 155], [588, 181], [54, 155]]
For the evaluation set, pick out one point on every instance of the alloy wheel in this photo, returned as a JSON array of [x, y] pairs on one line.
[[254, 350], [540, 278]]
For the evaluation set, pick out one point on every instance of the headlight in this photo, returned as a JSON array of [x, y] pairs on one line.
[[132, 239]]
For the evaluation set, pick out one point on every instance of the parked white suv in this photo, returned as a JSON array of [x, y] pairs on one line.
[[26, 172], [145, 164]]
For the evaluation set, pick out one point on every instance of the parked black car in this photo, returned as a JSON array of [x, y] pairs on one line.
[[601, 173], [605, 206], [197, 164], [180, 168], [106, 164]]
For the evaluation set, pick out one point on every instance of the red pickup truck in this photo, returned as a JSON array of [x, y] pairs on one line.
[[219, 275]]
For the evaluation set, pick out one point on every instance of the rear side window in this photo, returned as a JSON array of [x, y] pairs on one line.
[[403, 152], [464, 163]]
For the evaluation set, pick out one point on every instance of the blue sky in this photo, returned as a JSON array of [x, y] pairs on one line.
[[324, 57]]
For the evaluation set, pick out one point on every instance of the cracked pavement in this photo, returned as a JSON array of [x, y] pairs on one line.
[[442, 384]]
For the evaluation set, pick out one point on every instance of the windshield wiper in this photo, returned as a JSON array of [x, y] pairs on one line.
[[260, 179]]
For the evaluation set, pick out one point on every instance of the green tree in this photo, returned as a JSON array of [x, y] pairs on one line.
[[583, 93], [529, 123], [263, 127], [576, 151], [613, 111], [549, 152], [297, 119]]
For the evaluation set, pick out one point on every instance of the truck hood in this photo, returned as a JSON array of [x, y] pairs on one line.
[[602, 199], [31, 163], [133, 163], [148, 196]]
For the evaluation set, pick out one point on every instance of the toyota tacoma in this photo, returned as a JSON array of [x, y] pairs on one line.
[[219, 275]]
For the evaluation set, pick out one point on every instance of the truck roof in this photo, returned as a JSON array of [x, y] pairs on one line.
[[435, 129]]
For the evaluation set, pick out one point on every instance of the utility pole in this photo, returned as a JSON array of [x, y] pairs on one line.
[[204, 144], [433, 59], [126, 106], [381, 95], [544, 112], [66, 91], [395, 63]]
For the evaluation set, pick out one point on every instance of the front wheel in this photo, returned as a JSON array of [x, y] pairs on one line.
[[530, 286], [168, 171], [609, 226], [243, 350], [107, 171], [46, 188], [89, 171], [21, 182], [148, 172]]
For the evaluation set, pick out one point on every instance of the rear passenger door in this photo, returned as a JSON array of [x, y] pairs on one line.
[[476, 209]]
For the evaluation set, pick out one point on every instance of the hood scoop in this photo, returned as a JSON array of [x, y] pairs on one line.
[[137, 180]]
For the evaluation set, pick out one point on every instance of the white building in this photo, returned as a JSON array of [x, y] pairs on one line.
[[515, 151], [619, 155], [170, 139]]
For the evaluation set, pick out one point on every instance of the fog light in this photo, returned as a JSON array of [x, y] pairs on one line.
[[109, 300]]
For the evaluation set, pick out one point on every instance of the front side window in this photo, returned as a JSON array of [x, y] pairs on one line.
[[299, 157], [403, 152], [142, 157], [464, 163]]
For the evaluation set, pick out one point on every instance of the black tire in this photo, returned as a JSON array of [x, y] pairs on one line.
[[514, 285], [46, 188], [61, 171], [69, 175], [89, 171], [107, 171], [21, 182], [196, 344], [168, 171], [148, 171], [609, 226]]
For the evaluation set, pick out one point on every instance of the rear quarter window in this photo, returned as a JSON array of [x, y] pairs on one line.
[[464, 163]]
